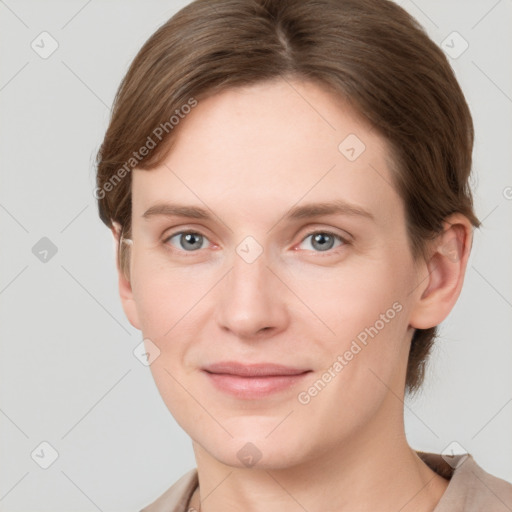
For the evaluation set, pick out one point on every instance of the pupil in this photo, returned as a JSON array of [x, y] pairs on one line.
[[189, 237], [323, 240]]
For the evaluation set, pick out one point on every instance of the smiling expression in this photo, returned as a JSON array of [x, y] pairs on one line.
[[261, 241]]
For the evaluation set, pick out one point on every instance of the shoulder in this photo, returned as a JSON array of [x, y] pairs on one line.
[[471, 488], [176, 498]]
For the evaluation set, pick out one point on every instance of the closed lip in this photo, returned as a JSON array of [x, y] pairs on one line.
[[253, 370]]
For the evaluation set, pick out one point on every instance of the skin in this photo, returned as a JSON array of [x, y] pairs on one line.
[[249, 155]]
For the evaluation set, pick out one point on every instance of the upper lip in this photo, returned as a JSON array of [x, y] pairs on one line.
[[252, 370]]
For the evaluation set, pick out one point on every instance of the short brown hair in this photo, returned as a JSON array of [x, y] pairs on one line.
[[372, 53]]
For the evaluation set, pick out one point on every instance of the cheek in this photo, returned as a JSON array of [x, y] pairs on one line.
[[168, 302], [364, 322], [336, 312], [350, 298], [335, 305], [166, 296], [363, 359]]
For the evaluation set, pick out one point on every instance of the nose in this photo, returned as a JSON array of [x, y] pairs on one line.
[[253, 301]]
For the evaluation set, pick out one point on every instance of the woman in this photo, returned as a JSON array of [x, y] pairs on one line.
[[287, 185]]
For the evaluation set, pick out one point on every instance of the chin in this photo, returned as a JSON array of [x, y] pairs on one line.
[[258, 451]]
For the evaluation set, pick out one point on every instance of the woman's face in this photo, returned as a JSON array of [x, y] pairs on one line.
[[299, 258]]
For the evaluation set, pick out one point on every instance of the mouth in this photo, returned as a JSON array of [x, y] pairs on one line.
[[253, 381]]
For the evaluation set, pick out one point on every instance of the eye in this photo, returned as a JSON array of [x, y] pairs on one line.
[[323, 241], [188, 241], [192, 241]]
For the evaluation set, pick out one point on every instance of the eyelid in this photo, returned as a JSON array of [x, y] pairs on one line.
[[185, 231], [309, 230], [346, 240]]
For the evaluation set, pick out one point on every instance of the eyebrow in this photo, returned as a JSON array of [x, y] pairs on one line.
[[337, 207]]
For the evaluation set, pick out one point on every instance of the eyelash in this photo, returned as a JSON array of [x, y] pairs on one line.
[[312, 233]]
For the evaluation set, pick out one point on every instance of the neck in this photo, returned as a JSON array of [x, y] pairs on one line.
[[374, 470]]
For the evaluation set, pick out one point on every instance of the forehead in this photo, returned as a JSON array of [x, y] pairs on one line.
[[268, 147]]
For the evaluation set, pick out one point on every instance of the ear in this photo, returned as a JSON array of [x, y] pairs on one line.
[[444, 270], [125, 288]]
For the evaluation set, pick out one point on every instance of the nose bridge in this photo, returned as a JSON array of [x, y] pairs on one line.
[[249, 301], [248, 278]]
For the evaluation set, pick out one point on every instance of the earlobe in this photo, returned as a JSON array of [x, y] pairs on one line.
[[124, 285], [445, 270]]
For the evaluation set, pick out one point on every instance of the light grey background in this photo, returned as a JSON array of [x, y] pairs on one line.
[[68, 374]]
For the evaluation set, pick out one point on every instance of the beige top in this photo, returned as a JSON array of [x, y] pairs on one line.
[[471, 489]]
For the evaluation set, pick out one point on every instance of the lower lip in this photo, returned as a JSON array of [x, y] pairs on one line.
[[253, 387]]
